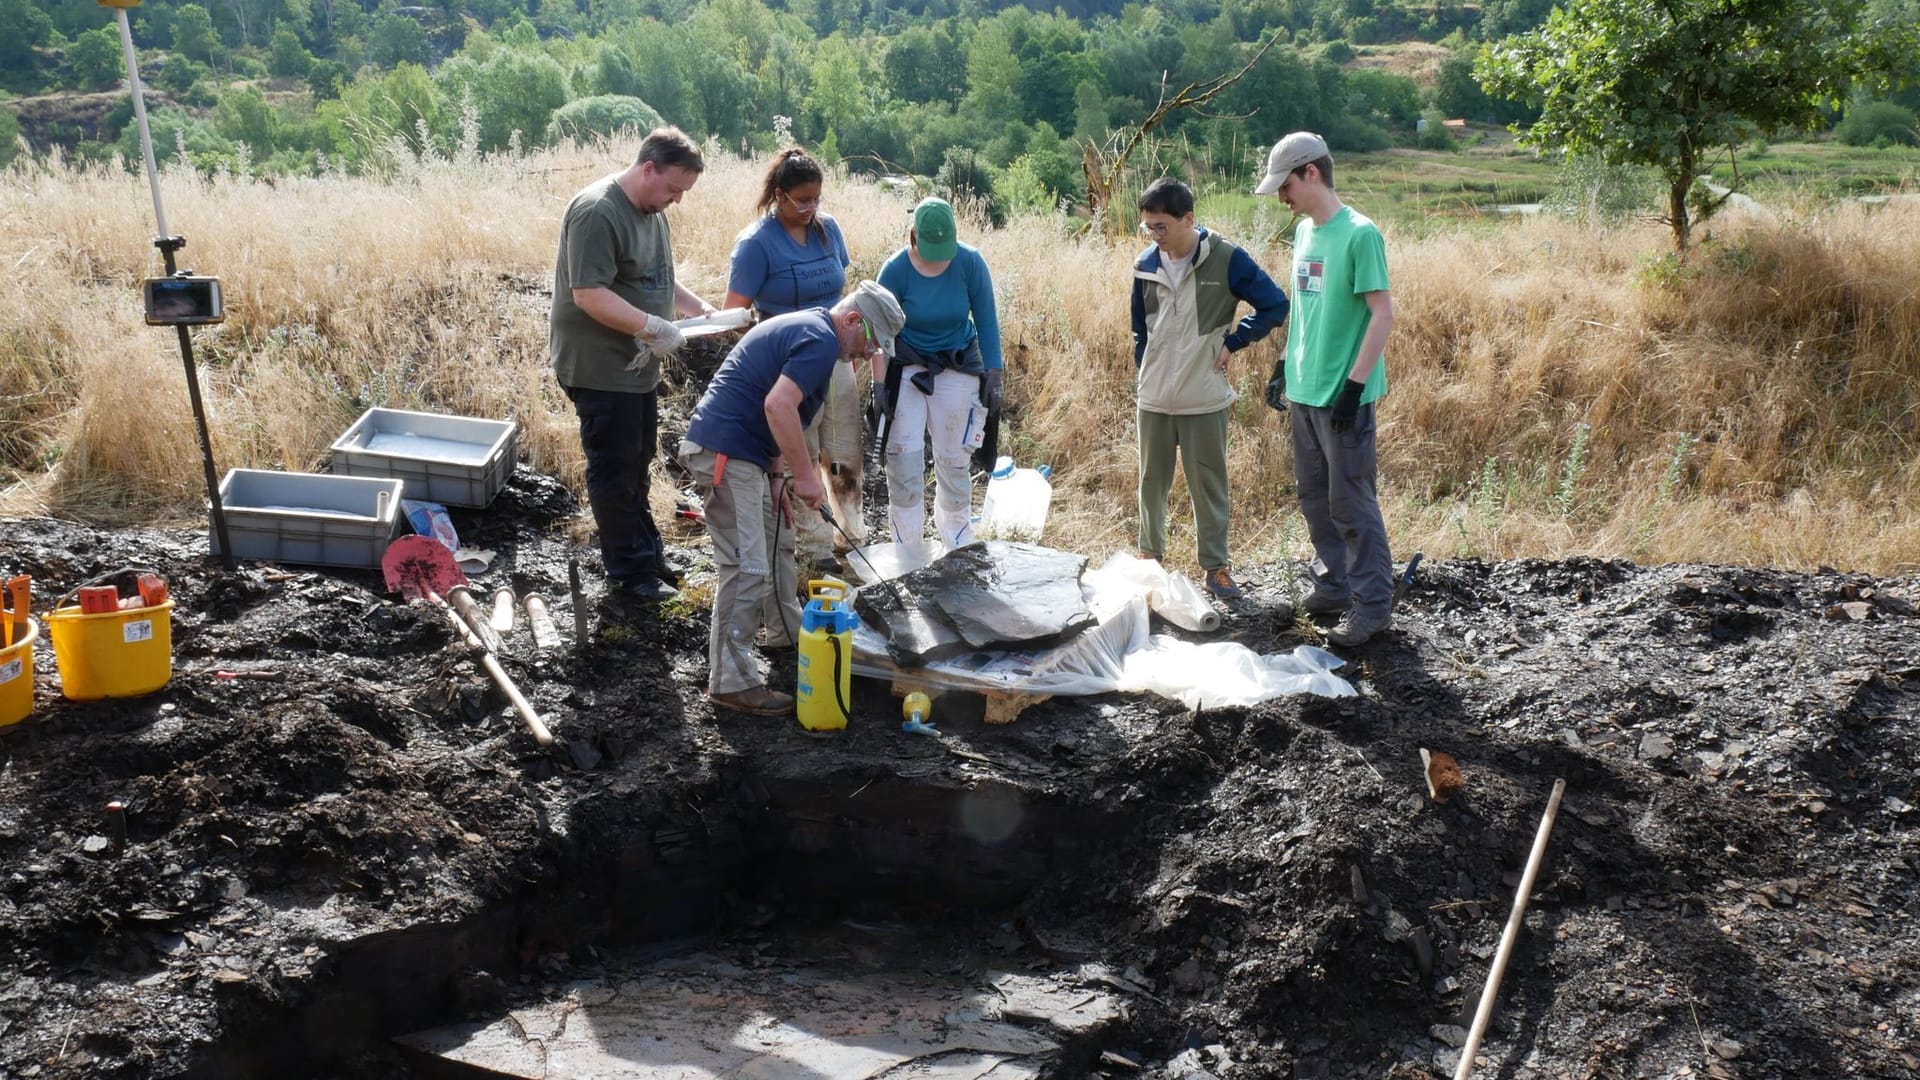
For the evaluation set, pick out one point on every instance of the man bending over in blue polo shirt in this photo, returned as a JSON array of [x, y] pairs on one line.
[[744, 445]]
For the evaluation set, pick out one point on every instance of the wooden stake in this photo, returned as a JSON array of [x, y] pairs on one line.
[[1492, 992]]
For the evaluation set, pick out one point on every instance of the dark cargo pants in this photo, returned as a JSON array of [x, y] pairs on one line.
[[619, 433], [1334, 471]]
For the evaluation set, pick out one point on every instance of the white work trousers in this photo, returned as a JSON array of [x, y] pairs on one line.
[[951, 415], [753, 556]]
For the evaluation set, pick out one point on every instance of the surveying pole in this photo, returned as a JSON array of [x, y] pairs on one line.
[[168, 245]]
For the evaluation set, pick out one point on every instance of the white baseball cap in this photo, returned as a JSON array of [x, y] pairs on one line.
[[1289, 154]]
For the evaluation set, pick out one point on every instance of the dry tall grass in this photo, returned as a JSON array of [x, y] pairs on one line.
[[1755, 406]]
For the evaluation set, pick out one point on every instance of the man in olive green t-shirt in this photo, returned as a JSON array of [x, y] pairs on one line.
[[614, 299], [1333, 372]]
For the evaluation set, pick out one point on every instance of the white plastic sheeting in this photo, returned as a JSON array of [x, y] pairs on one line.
[[1121, 653]]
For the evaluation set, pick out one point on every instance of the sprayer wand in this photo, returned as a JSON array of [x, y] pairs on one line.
[[827, 515]]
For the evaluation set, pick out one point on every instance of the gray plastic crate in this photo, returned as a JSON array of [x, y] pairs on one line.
[[309, 517], [452, 460]]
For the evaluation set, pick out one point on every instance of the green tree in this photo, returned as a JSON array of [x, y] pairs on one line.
[[604, 115], [659, 57], [397, 40], [193, 35], [95, 60], [1673, 83], [614, 73], [327, 78], [993, 72], [514, 90], [925, 63], [286, 57], [838, 95], [27, 28]]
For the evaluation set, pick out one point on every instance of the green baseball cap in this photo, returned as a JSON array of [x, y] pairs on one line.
[[933, 231]]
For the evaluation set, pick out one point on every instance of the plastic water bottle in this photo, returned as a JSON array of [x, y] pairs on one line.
[[1016, 504]]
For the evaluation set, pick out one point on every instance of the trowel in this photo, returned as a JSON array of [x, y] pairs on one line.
[[420, 566]]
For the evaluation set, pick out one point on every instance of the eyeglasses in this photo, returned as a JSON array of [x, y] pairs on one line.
[[872, 345], [802, 204], [1156, 230]]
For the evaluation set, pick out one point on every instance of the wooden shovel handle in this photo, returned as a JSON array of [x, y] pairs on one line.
[[535, 726]]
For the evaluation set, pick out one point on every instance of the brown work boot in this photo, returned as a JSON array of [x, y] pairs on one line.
[[755, 701], [1148, 556], [1220, 583]]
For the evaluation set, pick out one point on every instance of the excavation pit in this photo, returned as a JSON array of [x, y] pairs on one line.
[[337, 834]]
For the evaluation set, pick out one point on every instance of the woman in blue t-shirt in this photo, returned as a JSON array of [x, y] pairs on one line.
[[793, 258]]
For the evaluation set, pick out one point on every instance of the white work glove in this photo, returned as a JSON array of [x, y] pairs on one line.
[[661, 337]]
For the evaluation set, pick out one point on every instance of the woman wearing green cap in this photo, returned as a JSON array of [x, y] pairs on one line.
[[943, 378]]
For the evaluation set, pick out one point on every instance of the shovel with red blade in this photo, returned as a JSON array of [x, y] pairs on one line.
[[420, 566]]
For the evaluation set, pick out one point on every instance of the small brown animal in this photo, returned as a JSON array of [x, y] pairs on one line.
[[1443, 774]]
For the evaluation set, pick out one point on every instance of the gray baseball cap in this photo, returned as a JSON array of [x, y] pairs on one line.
[[1289, 154], [881, 310]]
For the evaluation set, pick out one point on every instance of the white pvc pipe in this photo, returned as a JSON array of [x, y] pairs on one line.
[[1491, 994], [140, 114]]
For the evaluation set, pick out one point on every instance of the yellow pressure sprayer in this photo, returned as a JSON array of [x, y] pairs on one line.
[[825, 678]]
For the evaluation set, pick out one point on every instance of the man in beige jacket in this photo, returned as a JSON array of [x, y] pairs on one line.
[[1186, 288]]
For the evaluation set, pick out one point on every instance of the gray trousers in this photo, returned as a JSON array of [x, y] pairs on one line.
[[1334, 471], [754, 559], [1201, 443]]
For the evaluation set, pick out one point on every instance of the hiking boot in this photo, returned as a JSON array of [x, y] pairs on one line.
[[1358, 628], [640, 590], [755, 701], [1148, 556], [1326, 599], [1220, 583]]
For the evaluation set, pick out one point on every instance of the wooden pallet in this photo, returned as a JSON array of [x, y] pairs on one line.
[[1003, 706]]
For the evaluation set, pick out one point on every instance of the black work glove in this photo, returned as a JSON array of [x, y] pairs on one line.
[[1347, 405], [990, 389], [880, 406], [1277, 386]]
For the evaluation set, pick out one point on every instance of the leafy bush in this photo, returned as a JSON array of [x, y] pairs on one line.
[[1591, 191], [179, 73], [1868, 123], [1434, 134], [966, 180], [9, 136], [605, 114]]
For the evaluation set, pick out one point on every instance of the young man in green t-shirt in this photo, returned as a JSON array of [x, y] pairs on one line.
[[1333, 372]]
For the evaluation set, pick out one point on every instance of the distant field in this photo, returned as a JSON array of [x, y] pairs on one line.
[[1423, 192]]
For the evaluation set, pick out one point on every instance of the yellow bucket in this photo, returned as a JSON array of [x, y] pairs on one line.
[[16, 676], [114, 653]]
